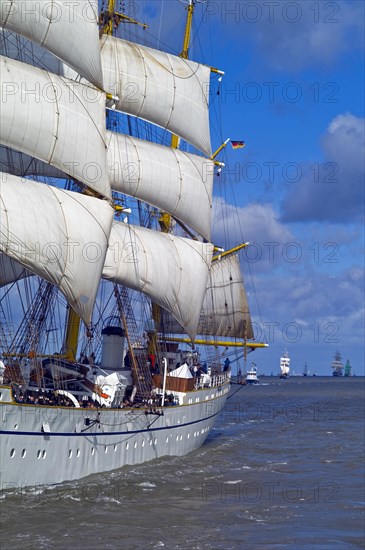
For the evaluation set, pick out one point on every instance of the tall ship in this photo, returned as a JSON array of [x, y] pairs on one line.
[[348, 368], [284, 365], [114, 297], [337, 365]]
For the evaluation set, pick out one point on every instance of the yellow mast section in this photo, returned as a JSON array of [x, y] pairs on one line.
[[225, 343], [111, 17], [165, 219]]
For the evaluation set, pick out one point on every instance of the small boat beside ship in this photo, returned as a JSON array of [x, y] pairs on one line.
[[251, 377]]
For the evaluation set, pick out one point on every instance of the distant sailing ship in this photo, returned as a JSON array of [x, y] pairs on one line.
[[305, 370], [337, 365], [348, 368], [284, 365]]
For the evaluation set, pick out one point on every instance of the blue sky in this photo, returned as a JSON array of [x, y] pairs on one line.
[[294, 91]]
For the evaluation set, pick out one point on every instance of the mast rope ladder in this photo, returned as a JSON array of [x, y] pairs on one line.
[[141, 370]]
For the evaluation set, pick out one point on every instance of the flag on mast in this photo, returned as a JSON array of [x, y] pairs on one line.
[[238, 144]]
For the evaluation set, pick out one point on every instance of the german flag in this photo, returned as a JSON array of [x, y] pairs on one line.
[[238, 144]]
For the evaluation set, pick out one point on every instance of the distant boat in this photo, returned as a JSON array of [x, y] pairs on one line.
[[348, 368], [284, 365], [337, 365], [251, 377], [305, 371]]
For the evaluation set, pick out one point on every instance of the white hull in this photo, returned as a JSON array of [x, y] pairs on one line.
[[252, 379], [43, 445]]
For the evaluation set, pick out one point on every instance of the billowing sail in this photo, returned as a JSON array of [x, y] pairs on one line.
[[176, 182], [161, 88], [179, 183], [171, 270], [225, 310], [68, 29], [57, 120], [60, 235]]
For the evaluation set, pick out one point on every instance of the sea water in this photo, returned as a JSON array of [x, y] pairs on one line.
[[282, 468]]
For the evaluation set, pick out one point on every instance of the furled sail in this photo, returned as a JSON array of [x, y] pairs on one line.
[[179, 183], [60, 235], [68, 29], [161, 88], [57, 120], [171, 270], [225, 310]]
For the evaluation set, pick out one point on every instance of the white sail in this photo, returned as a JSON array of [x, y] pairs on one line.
[[68, 29], [57, 120], [60, 235], [285, 363], [171, 270], [179, 183], [161, 88], [176, 182], [225, 310]]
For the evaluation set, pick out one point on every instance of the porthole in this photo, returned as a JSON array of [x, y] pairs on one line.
[[24, 452], [44, 454], [78, 452], [69, 453], [92, 451], [39, 454], [127, 446], [135, 444], [12, 453], [16, 426], [115, 448], [142, 443]]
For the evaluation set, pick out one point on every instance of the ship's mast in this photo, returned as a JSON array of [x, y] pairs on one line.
[[165, 218], [109, 20]]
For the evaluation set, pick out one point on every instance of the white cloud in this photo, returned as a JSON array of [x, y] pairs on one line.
[[336, 192], [254, 222]]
